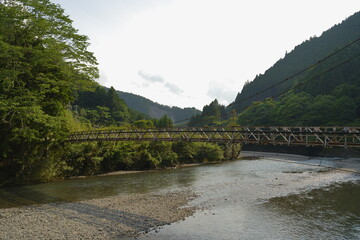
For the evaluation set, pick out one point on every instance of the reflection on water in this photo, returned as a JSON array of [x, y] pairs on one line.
[[245, 199], [95, 187], [334, 211], [337, 198]]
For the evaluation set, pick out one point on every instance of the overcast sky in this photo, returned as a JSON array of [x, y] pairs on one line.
[[188, 52]]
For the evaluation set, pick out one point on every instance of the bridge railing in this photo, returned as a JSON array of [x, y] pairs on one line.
[[306, 136]]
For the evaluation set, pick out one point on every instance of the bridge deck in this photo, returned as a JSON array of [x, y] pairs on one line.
[[305, 136]]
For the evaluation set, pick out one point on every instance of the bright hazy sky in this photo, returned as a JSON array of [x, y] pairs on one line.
[[188, 52]]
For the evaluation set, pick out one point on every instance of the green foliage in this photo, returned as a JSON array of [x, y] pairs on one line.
[[98, 117], [342, 81], [144, 124], [328, 110], [198, 152], [102, 107], [146, 161], [163, 122], [209, 152], [302, 110], [82, 159], [212, 115], [186, 151], [102, 157], [163, 152], [74, 124], [260, 114], [119, 157], [118, 109], [42, 58], [135, 115], [291, 109]]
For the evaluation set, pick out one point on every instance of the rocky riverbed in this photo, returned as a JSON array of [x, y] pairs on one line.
[[107, 218]]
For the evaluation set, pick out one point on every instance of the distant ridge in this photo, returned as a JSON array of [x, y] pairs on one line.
[[316, 84], [302, 56], [156, 110]]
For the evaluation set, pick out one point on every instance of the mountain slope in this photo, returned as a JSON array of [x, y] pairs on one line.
[[304, 55], [156, 110]]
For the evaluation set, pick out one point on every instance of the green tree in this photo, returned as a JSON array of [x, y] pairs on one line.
[[212, 115], [292, 108], [186, 151], [100, 97], [117, 106], [163, 122], [119, 156], [329, 110], [209, 152], [42, 59], [143, 124], [259, 114], [163, 152]]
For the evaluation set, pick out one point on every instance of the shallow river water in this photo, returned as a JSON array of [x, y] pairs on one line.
[[266, 198]]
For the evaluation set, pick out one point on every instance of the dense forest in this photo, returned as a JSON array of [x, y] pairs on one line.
[[303, 56], [318, 99], [326, 94], [316, 84], [103, 108]]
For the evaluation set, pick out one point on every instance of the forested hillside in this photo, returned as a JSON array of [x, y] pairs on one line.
[[327, 93], [303, 56], [156, 110], [318, 83], [103, 108]]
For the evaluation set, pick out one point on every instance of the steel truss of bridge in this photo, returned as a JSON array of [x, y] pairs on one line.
[[305, 136]]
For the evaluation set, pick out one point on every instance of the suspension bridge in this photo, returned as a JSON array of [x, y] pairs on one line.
[[347, 137]]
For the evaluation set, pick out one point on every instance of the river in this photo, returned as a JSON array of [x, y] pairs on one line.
[[251, 198]]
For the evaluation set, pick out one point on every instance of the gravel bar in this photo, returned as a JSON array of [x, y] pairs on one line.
[[114, 217]]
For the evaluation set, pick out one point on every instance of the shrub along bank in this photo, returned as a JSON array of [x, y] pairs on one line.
[[102, 157]]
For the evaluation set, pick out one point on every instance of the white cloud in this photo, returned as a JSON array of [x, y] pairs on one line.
[[173, 88], [159, 79], [151, 78], [196, 43]]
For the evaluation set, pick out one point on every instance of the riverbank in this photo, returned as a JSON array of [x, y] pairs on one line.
[[183, 165], [317, 151], [106, 218], [348, 164]]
